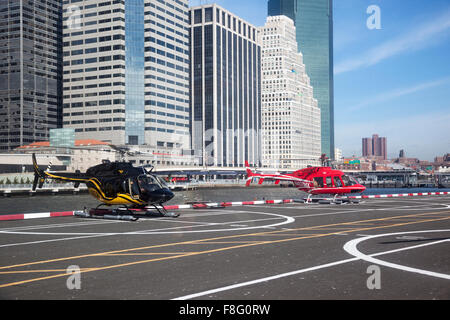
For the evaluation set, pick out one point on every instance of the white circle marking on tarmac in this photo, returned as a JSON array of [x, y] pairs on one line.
[[351, 248], [287, 220]]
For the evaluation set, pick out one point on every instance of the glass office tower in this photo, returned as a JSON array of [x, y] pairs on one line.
[[30, 71], [134, 72], [226, 88], [314, 26]]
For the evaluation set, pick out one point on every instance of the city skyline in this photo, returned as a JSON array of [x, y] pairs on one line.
[[390, 78], [398, 85]]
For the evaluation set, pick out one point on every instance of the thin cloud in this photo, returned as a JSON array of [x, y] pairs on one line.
[[415, 39], [399, 93]]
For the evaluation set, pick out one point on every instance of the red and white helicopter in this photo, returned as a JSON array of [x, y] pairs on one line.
[[313, 180]]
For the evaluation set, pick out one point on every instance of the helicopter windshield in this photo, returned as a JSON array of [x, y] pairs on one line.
[[161, 182], [348, 180], [153, 182]]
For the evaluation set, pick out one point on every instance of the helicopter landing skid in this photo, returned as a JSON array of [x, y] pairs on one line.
[[335, 200], [164, 213], [125, 213], [107, 214]]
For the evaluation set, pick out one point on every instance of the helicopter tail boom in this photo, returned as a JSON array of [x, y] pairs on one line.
[[40, 176]]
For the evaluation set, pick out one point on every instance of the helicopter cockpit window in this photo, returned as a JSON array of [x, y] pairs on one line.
[[161, 182], [349, 181], [149, 183], [318, 182]]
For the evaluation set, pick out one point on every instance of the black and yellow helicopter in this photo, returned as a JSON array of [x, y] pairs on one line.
[[115, 183]]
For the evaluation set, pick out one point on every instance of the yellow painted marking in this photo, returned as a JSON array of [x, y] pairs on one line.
[[43, 270], [225, 242], [148, 253], [205, 241], [288, 234]]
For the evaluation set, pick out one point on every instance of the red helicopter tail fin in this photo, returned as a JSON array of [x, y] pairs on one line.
[[247, 168], [249, 174]]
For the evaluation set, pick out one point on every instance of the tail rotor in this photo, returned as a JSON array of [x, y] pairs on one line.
[[39, 176]]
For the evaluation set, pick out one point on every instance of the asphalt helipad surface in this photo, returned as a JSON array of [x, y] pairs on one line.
[[377, 249]]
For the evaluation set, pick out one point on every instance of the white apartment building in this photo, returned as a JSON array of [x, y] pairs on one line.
[[291, 131], [338, 154], [126, 71]]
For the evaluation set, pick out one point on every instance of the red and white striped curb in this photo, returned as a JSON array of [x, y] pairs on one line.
[[23, 216], [172, 207], [215, 205], [398, 195], [226, 204]]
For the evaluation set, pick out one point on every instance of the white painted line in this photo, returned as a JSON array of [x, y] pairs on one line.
[[88, 222], [323, 266], [50, 240], [286, 220], [369, 210], [249, 283], [204, 213], [350, 247], [182, 221]]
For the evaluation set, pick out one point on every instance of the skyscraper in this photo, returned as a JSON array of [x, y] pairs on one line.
[[30, 71], [374, 147], [290, 115], [314, 26], [126, 71], [226, 88], [367, 147]]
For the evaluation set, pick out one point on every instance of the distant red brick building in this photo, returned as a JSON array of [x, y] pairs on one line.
[[374, 147]]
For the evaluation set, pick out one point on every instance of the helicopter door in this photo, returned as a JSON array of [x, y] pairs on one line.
[[134, 188]]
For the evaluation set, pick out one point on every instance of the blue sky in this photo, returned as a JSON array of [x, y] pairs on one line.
[[393, 81]]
